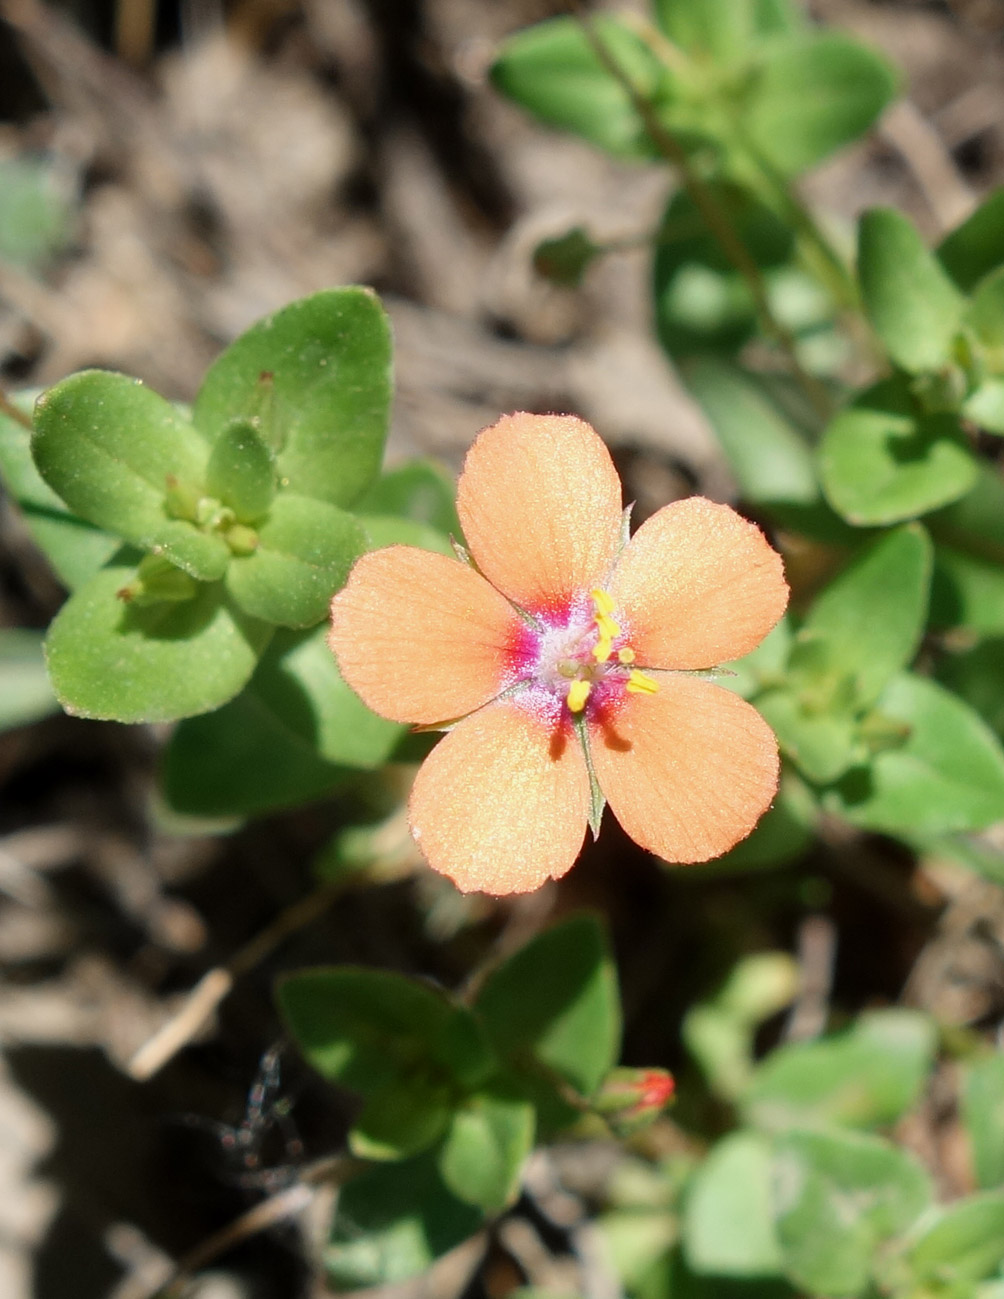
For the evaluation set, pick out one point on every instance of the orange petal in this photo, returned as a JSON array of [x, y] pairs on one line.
[[500, 805], [540, 504], [689, 771], [698, 585], [421, 637]]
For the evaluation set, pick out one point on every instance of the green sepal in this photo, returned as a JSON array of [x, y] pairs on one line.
[[111, 448], [111, 660], [914, 307], [314, 379], [883, 459], [241, 471], [597, 801], [305, 550]]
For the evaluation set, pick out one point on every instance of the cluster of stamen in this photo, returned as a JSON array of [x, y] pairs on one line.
[[596, 657]]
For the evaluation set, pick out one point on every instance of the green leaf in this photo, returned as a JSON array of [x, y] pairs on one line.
[[383, 530], [967, 592], [976, 247], [314, 378], [882, 459], [948, 775], [959, 1245], [392, 1222], [25, 691], [985, 317], [298, 679], [702, 302], [770, 458], [553, 72], [243, 760], [975, 522], [111, 448], [721, 30], [370, 1029], [822, 744], [719, 1033], [982, 1104], [420, 490], [915, 308], [985, 406], [556, 1000], [892, 575], [838, 1197], [814, 93], [305, 550], [156, 663], [868, 1076], [402, 1118], [74, 548], [489, 1140], [727, 1227], [241, 471]]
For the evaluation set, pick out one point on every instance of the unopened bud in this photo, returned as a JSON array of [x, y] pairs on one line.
[[630, 1099]]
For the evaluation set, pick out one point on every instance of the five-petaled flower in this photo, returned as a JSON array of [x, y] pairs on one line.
[[566, 662]]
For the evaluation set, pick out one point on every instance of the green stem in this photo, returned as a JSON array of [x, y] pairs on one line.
[[13, 412], [716, 219]]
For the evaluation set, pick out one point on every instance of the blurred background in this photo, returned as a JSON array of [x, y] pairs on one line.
[[168, 174]]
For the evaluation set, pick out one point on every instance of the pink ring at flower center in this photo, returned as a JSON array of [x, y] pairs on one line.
[[579, 663]]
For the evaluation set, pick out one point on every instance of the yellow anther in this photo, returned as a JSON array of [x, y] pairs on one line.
[[603, 601], [578, 693], [608, 628], [639, 684], [626, 655], [602, 649]]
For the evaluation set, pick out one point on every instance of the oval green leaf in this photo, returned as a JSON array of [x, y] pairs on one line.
[[305, 550], [119, 662], [915, 308], [882, 460], [315, 380], [489, 1140]]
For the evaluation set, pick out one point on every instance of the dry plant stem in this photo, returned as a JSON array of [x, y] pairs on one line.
[[269, 1213], [716, 220], [215, 985], [8, 408]]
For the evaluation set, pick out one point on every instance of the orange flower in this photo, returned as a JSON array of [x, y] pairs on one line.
[[569, 658]]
